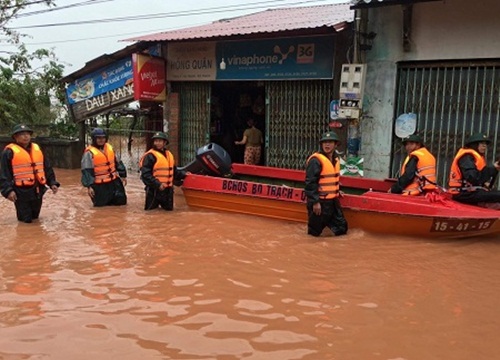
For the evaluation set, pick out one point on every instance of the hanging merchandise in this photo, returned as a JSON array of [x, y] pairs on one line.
[[352, 166], [334, 110], [405, 125]]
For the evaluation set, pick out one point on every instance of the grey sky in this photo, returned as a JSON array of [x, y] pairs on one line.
[[77, 44]]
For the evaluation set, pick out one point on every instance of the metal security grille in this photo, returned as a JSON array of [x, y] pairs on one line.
[[297, 115], [194, 117], [451, 100]]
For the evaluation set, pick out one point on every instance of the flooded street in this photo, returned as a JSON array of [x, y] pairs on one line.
[[122, 283]]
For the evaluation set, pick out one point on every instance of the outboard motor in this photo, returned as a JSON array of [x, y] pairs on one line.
[[211, 159]]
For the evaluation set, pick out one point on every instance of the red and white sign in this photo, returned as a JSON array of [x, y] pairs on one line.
[[149, 78], [335, 124]]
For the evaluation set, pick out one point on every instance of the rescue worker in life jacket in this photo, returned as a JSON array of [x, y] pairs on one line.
[[418, 172], [25, 174], [471, 179], [103, 174], [322, 189], [159, 174]]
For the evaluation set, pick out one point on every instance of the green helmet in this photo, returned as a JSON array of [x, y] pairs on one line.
[[329, 136], [160, 135], [21, 128], [477, 138], [412, 138]]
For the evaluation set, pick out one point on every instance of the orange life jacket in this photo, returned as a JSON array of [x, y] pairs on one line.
[[163, 169], [329, 178], [425, 177], [104, 164], [456, 182], [27, 167]]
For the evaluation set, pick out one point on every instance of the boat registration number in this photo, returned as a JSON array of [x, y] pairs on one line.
[[460, 225]]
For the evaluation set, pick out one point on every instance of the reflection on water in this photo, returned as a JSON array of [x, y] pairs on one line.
[[121, 283]]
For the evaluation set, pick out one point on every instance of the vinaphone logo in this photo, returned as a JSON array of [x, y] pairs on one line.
[[304, 54]]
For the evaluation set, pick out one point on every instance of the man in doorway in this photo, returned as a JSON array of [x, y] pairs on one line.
[[471, 179], [323, 188], [418, 172], [25, 174], [103, 174]]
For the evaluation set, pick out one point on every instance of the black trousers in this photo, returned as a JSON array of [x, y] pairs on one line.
[[112, 193], [478, 196], [156, 198], [28, 210], [331, 216], [29, 202]]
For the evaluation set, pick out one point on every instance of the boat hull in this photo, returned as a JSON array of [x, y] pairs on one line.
[[371, 211]]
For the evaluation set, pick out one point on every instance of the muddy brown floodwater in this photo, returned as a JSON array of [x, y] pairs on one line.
[[122, 283]]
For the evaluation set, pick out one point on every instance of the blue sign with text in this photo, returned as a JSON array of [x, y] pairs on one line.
[[276, 59], [102, 81]]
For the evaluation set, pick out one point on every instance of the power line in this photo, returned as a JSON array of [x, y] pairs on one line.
[[3, 8], [213, 10], [108, 36], [83, 3]]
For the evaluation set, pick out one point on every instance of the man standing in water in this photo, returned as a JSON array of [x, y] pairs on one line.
[[158, 173], [25, 174], [103, 174], [322, 189]]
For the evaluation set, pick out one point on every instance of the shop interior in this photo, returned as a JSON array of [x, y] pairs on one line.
[[232, 104]]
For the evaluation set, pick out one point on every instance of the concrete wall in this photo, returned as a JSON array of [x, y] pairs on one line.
[[447, 30], [378, 102], [376, 126], [64, 154], [455, 29]]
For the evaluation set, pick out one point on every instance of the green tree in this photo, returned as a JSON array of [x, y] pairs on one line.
[[29, 81]]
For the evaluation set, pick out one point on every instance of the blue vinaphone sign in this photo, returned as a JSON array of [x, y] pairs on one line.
[[275, 59]]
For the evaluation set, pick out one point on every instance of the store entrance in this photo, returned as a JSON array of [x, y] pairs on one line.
[[232, 104]]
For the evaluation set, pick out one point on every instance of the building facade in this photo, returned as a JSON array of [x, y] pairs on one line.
[[438, 60], [281, 67]]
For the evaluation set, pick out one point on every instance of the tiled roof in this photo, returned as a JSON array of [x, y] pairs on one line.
[[269, 21]]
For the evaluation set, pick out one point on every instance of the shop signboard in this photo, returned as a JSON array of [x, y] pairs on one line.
[[270, 59], [149, 78], [276, 59], [104, 80], [103, 102], [101, 90], [191, 61]]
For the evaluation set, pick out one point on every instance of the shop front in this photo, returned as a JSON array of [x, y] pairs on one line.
[[284, 84], [107, 89]]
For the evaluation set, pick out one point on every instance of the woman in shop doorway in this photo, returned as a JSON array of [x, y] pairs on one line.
[[252, 139]]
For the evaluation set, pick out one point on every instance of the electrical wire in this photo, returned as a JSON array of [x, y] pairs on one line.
[[213, 10], [228, 8], [3, 8], [83, 3], [109, 36]]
